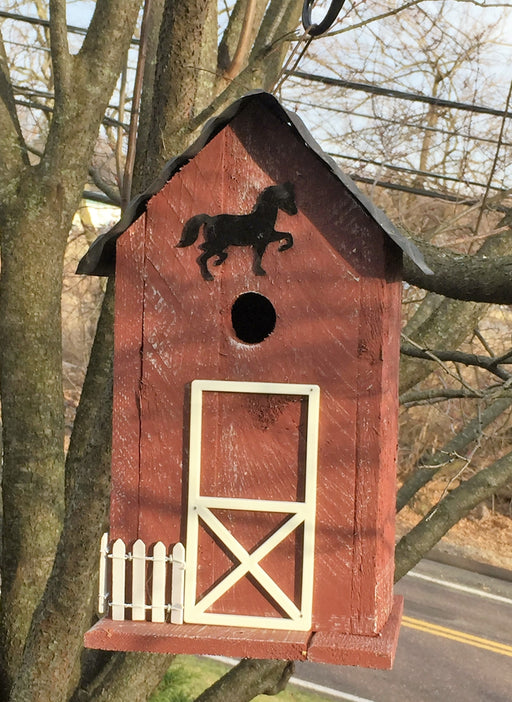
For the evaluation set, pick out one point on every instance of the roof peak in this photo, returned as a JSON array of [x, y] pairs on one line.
[[100, 258]]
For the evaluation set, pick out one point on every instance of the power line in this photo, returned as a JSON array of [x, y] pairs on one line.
[[398, 122], [352, 85], [399, 94], [34, 92], [414, 171], [46, 23], [327, 80], [423, 192], [107, 121]]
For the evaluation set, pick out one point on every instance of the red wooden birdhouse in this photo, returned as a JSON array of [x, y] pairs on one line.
[[257, 332]]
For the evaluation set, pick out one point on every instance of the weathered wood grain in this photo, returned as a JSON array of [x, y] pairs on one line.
[[336, 295], [124, 506]]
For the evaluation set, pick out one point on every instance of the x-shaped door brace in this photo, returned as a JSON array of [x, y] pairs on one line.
[[249, 563]]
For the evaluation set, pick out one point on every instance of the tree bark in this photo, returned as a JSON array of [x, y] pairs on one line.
[[280, 20], [453, 320], [178, 61], [447, 327], [148, 90], [231, 37], [32, 409], [36, 211], [54, 642], [479, 278], [247, 680], [133, 676], [207, 65]]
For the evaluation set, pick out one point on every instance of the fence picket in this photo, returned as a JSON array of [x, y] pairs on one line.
[[102, 584], [158, 589], [139, 581], [118, 580], [177, 583]]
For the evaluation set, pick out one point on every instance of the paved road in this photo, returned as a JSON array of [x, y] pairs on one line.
[[455, 644]]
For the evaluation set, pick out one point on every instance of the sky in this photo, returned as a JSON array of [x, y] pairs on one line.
[[367, 55]]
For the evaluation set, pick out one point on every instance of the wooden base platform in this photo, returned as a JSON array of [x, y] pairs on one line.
[[321, 647]]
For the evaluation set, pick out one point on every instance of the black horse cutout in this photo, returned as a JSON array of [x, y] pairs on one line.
[[256, 229]]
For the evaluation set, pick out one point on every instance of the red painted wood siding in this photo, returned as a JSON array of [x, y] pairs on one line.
[[336, 297]]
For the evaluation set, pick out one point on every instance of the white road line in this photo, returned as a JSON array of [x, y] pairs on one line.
[[323, 690], [461, 588], [314, 687]]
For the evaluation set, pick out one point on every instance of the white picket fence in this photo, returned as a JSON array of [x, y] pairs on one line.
[[149, 576]]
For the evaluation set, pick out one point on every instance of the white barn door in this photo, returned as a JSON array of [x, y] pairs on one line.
[[297, 515]]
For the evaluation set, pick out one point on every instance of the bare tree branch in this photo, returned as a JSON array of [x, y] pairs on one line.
[[154, 19], [376, 18], [494, 161], [232, 33], [61, 59], [131, 676], [111, 192], [135, 111], [478, 278], [95, 70], [244, 42], [433, 395], [429, 464], [467, 359], [450, 322], [447, 326], [177, 65], [457, 504], [249, 679], [13, 153]]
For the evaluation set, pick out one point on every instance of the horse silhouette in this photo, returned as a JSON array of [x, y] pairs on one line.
[[256, 229]]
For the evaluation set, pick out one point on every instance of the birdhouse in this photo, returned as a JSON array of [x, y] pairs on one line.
[[257, 323]]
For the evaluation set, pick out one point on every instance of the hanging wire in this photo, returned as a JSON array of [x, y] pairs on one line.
[[311, 31], [285, 72]]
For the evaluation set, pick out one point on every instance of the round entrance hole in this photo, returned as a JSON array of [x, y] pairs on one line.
[[253, 317]]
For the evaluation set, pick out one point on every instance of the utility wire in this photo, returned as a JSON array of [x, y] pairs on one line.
[[398, 122], [46, 23], [423, 192], [327, 80], [400, 94], [108, 121], [414, 171]]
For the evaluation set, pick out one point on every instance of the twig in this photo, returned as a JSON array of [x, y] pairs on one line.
[[483, 342], [430, 355], [467, 460], [467, 359], [119, 140], [495, 161], [243, 42]]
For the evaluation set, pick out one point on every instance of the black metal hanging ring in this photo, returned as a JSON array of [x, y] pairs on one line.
[[314, 30]]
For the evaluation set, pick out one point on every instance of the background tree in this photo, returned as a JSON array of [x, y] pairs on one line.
[[61, 133]]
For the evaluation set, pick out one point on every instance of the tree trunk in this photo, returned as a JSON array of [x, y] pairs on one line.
[[32, 408]]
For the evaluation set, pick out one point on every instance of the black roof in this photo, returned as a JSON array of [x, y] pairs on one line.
[[100, 258]]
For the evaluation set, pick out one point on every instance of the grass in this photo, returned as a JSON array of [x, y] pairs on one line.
[[190, 675]]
